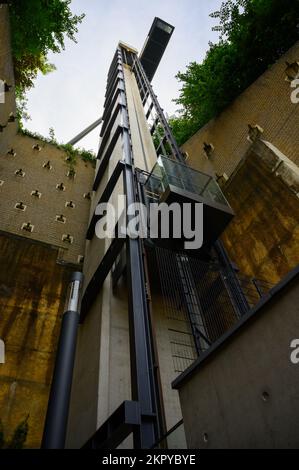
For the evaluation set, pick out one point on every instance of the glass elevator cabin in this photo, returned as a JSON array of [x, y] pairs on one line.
[[173, 182]]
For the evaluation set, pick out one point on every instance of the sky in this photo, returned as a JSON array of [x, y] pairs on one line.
[[72, 97]]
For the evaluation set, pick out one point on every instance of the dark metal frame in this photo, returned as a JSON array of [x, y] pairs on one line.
[[124, 421], [144, 389], [146, 91]]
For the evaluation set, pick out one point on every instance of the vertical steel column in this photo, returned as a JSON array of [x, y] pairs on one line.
[[142, 364], [59, 400], [232, 282]]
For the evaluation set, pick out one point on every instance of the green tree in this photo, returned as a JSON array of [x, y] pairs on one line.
[[39, 27], [253, 35]]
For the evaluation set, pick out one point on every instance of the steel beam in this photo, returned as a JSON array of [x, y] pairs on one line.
[[117, 428], [86, 131], [141, 354]]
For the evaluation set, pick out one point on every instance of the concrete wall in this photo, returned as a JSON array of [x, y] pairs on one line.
[[267, 102], [162, 326], [32, 288], [102, 370], [245, 395]]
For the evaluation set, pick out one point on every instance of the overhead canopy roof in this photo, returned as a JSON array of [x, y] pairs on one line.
[[155, 45]]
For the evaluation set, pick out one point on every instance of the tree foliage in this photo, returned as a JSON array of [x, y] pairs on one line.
[[39, 27], [73, 153], [253, 35]]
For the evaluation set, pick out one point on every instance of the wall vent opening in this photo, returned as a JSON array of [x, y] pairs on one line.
[[28, 227], [60, 187], [20, 173], [292, 71], [71, 173], [61, 218], [11, 118], [208, 148], [66, 238], [36, 193], [47, 166], [36, 147], [11, 152], [21, 206]]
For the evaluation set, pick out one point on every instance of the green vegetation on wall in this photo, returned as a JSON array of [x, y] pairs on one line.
[[72, 153], [253, 35]]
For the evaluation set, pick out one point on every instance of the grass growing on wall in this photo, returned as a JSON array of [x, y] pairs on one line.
[[72, 153]]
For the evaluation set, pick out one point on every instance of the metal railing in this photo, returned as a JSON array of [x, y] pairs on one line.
[[172, 439], [168, 172]]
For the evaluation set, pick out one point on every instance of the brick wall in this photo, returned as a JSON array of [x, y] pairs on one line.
[[267, 102], [41, 212]]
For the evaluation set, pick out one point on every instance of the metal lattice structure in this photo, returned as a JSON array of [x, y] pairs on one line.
[[198, 302]]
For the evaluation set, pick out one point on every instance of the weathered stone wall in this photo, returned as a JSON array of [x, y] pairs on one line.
[[263, 238], [32, 288]]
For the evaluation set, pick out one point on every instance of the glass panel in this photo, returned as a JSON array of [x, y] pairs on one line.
[[168, 29], [170, 172], [213, 192]]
